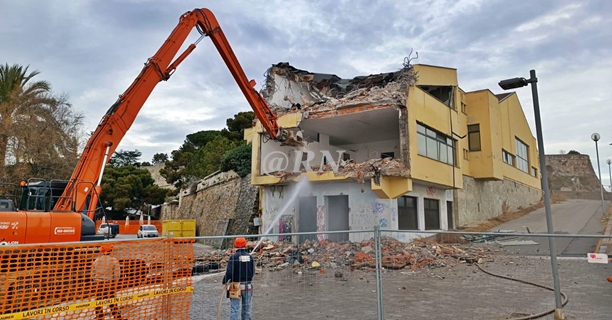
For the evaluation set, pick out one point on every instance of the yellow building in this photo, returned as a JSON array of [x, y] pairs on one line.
[[406, 150]]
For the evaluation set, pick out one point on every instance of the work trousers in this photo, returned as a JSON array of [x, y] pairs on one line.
[[106, 289], [245, 311]]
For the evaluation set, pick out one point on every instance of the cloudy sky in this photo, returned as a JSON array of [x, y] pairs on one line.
[[93, 50]]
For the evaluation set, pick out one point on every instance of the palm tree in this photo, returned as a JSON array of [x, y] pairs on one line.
[[18, 94]]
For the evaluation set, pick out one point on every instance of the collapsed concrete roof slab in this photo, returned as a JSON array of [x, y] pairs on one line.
[[288, 89]]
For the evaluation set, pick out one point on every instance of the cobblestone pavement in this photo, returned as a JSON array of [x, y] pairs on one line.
[[461, 291]]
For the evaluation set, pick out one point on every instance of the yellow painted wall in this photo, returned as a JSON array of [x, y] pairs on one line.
[[427, 110], [515, 125], [436, 76], [482, 108], [462, 144]]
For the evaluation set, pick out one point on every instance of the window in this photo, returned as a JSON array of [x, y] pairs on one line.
[[466, 156], [435, 145], [507, 158], [463, 107], [443, 94], [387, 155], [534, 172], [522, 155], [407, 213], [432, 214], [474, 137]]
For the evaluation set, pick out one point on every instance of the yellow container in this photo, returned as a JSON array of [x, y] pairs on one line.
[[179, 228]]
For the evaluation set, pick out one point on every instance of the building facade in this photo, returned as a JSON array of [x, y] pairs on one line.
[[406, 150]]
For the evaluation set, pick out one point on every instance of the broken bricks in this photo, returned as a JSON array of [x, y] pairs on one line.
[[395, 255]]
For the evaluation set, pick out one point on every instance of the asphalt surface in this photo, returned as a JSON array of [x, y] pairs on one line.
[[458, 291], [569, 217]]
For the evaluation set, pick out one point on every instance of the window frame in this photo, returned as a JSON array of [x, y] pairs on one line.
[[506, 155], [429, 212], [522, 156], [434, 139], [475, 133], [405, 199]]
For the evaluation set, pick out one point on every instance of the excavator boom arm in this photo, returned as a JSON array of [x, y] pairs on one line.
[[78, 195]]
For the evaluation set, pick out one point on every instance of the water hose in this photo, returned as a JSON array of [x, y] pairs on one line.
[[534, 316]]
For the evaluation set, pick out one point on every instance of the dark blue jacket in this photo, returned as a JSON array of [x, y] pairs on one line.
[[240, 268]]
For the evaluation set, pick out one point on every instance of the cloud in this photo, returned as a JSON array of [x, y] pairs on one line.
[[94, 50]]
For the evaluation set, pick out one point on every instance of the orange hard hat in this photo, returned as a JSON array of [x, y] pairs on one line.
[[240, 243], [106, 248]]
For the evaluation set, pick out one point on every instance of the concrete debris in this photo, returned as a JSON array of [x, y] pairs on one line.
[[318, 92], [358, 256], [386, 167]]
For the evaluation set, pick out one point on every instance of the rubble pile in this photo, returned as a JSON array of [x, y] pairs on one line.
[[360, 171], [328, 91], [395, 255]]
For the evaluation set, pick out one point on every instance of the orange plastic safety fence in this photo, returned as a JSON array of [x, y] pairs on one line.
[[148, 279]]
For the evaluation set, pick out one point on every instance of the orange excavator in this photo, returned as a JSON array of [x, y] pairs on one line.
[[63, 211]]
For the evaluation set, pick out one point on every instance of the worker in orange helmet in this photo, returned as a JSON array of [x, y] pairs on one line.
[[239, 275], [106, 273]]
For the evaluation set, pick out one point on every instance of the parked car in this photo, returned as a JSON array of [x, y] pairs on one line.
[[109, 230], [147, 230]]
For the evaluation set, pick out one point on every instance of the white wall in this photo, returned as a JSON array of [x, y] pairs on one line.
[[421, 192], [271, 150], [365, 151], [365, 209], [288, 92]]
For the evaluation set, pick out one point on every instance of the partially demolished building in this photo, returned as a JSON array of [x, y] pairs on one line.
[[405, 150]]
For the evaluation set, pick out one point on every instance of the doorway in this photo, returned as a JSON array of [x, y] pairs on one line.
[[337, 217], [307, 218], [449, 215]]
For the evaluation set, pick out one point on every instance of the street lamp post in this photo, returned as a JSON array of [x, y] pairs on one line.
[[595, 137], [609, 162], [518, 83]]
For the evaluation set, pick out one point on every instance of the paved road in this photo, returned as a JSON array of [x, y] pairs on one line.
[[569, 217]]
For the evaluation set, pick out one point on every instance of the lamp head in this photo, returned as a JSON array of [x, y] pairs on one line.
[[513, 83], [595, 137], [609, 162]]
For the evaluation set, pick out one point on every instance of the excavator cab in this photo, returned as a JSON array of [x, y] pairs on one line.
[[30, 216]]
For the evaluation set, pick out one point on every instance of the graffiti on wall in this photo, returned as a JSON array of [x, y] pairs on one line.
[[393, 214], [285, 225], [320, 221], [379, 208], [383, 223], [431, 191]]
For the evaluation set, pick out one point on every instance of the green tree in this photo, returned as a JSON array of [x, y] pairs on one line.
[[160, 158], [201, 138], [124, 158], [39, 132], [201, 152], [208, 159], [238, 159], [17, 91], [237, 124], [174, 169], [128, 187]]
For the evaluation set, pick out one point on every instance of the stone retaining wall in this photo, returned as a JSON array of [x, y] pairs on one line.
[[218, 197], [483, 200]]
